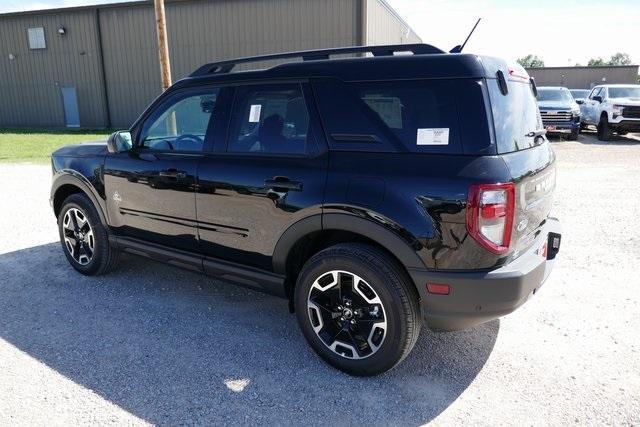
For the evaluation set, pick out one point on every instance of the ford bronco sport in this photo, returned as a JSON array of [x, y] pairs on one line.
[[375, 193]]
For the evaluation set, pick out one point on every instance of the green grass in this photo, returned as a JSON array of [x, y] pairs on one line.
[[36, 145]]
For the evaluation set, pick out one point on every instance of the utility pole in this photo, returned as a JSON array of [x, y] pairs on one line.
[[163, 45]]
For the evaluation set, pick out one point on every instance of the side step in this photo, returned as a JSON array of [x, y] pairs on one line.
[[237, 274]]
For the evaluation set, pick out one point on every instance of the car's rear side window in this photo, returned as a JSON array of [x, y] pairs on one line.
[[397, 116], [271, 119]]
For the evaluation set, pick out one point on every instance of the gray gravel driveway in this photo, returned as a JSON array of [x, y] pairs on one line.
[[153, 344]]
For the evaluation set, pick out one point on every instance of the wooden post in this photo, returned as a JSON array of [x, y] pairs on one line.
[[163, 45]]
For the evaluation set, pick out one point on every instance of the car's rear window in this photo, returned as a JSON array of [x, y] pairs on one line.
[[516, 117], [397, 116]]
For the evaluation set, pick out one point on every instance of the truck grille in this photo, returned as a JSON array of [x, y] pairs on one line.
[[631, 112], [555, 116]]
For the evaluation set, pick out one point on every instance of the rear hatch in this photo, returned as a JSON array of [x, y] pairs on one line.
[[527, 153]]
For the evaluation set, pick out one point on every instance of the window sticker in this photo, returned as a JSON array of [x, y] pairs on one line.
[[433, 136], [254, 113]]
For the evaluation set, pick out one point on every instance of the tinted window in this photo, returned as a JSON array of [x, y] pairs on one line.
[[269, 119], [516, 117], [579, 93], [399, 116], [181, 123]]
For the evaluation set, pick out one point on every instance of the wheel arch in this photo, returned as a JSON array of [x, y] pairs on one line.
[[68, 183], [312, 234]]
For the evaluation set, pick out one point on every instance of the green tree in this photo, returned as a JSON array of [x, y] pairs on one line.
[[596, 61], [531, 61], [620, 58]]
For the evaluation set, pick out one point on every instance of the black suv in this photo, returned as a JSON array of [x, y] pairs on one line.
[[373, 192]]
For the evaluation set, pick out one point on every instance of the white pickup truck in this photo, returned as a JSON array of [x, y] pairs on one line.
[[612, 108]]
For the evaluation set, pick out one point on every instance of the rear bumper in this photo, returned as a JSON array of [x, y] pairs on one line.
[[478, 297]]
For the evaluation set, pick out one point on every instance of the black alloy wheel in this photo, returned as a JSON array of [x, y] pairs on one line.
[[84, 238], [357, 308]]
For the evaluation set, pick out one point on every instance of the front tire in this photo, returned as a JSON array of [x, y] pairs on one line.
[[604, 130], [84, 240], [574, 135], [357, 309]]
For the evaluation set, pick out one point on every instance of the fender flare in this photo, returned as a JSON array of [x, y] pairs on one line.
[[368, 228], [71, 177]]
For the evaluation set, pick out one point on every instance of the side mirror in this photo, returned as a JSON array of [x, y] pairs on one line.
[[580, 101], [597, 98], [119, 142]]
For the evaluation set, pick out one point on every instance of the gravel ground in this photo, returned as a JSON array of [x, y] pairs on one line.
[[153, 344]]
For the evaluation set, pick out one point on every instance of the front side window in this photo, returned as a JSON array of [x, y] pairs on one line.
[[180, 124], [595, 92], [269, 119]]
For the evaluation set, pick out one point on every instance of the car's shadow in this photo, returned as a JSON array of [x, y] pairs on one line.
[[175, 347]]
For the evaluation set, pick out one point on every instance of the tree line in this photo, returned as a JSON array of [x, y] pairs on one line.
[[534, 61]]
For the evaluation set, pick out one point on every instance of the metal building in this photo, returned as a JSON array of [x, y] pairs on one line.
[[584, 77], [97, 66]]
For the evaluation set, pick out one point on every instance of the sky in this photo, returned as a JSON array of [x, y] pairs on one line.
[[561, 32]]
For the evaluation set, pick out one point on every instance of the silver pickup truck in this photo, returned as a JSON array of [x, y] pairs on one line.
[[612, 108]]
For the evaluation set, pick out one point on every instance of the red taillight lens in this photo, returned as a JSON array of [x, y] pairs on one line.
[[438, 288], [490, 210]]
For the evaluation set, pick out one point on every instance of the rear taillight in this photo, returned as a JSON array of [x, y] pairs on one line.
[[490, 210]]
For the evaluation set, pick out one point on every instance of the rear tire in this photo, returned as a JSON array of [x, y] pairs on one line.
[[604, 131], [84, 239], [357, 309]]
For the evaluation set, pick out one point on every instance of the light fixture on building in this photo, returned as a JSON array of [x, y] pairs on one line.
[[12, 57], [62, 31]]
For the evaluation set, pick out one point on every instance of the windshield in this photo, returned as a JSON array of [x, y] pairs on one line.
[[579, 93], [624, 92], [554, 95]]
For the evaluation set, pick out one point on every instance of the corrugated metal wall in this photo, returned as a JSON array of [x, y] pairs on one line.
[[584, 77], [200, 31], [30, 83], [384, 26], [204, 31], [130, 53]]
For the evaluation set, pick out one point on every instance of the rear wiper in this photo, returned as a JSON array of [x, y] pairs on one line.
[[535, 133]]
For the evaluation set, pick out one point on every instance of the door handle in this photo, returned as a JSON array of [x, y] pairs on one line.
[[283, 183], [172, 173]]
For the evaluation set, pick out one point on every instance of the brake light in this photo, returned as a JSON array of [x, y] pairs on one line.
[[490, 211]]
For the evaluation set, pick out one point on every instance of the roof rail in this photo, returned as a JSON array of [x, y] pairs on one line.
[[222, 67]]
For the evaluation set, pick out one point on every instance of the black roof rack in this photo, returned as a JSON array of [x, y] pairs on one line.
[[222, 67]]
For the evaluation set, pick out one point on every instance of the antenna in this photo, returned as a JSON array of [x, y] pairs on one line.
[[459, 48]]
